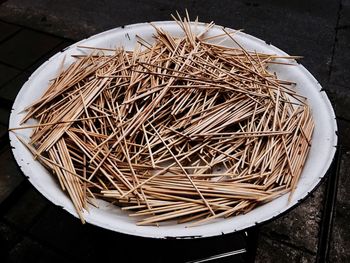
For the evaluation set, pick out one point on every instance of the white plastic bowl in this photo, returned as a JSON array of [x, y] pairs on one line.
[[321, 154]]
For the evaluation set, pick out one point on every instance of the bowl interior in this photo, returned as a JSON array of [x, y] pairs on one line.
[[111, 217]]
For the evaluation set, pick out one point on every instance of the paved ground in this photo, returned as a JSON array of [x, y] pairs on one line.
[[316, 231]]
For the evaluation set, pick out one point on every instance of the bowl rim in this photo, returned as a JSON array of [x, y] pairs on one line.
[[138, 229]]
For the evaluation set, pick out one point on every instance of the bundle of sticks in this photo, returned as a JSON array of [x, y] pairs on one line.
[[180, 129]]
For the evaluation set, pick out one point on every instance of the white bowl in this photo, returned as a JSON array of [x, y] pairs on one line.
[[321, 154]]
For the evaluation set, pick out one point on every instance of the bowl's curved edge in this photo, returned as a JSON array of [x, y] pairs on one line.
[[277, 214]]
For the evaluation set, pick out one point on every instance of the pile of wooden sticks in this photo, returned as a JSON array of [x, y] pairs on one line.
[[181, 129]]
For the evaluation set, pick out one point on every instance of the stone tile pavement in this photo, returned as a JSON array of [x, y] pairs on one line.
[[32, 229]]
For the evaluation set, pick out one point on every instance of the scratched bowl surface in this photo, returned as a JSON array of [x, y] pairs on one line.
[[111, 217]]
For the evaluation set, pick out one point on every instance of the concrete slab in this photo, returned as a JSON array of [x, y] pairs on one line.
[[8, 238], [26, 209], [79, 19], [293, 26], [4, 116], [26, 47], [339, 251], [7, 30], [10, 175], [3, 131], [65, 43], [29, 250], [90, 16], [344, 19], [60, 230], [272, 251], [340, 243], [343, 134], [340, 67], [340, 98], [7, 73], [301, 222], [10, 90], [343, 194]]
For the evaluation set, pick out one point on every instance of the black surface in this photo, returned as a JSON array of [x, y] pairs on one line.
[[26, 47], [7, 30], [10, 177], [10, 90], [328, 212], [7, 73], [89, 242]]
